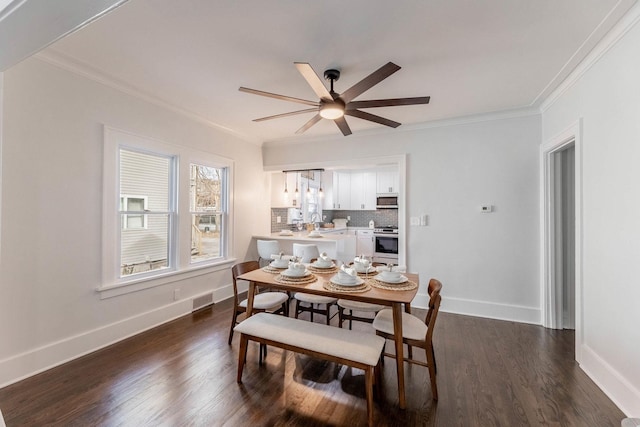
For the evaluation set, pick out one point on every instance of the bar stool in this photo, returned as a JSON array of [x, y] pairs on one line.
[[266, 248], [305, 252]]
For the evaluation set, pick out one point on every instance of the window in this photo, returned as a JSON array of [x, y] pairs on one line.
[[165, 210], [206, 208]]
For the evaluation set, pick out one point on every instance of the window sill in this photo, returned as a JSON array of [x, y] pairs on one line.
[[140, 284]]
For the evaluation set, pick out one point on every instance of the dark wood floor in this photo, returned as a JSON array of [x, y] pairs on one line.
[[490, 373]]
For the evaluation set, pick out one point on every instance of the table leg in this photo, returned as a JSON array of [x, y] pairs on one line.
[[250, 294], [397, 332]]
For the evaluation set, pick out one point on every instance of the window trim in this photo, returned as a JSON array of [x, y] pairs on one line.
[[180, 242]]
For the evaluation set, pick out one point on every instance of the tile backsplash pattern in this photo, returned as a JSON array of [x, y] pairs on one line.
[[382, 217]]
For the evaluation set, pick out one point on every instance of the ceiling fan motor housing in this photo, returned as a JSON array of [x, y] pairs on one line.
[[332, 74]]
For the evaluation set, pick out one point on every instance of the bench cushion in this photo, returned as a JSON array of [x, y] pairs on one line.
[[347, 344]]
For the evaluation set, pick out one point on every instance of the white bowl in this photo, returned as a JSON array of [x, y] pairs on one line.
[[336, 281], [390, 276], [400, 279], [321, 263], [279, 263], [296, 272], [345, 278], [369, 269]]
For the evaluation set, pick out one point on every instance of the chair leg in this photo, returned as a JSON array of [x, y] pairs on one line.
[[369, 387], [295, 308], [311, 312], [432, 373], [350, 319], [233, 324], [328, 313], [435, 366], [340, 318], [242, 356]]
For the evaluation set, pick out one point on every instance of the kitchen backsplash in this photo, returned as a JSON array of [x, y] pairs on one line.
[[382, 217]]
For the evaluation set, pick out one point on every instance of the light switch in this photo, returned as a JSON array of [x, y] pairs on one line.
[[278, 219], [486, 208]]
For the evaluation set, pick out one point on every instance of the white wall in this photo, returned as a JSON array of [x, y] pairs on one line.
[[607, 98], [51, 216], [488, 263]]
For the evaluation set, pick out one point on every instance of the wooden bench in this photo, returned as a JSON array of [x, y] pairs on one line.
[[346, 347]]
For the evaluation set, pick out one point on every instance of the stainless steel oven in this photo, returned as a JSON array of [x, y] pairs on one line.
[[386, 245]]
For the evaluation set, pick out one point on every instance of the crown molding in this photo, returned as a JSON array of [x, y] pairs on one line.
[[455, 121], [84, 70], [626, 23]]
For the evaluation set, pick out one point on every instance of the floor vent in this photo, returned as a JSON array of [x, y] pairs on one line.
[[202, 301]]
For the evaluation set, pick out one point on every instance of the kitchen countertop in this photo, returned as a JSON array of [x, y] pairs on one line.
[[304, 236]]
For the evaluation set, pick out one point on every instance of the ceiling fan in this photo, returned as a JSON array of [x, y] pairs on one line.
[[334, 106]]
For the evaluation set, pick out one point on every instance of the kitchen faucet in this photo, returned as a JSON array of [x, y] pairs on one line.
[[315, 219]]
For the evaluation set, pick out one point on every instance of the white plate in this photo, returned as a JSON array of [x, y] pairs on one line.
[[290, 273], [400, 279], [335, 281], [286, 233], [314, 236], [368, 270], [315, 264]]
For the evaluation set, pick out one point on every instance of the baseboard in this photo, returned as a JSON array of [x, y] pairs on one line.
[[485, 309], [611, 382], [18, 367]]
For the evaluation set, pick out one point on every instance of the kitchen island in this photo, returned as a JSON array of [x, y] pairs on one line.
[[340, 247]]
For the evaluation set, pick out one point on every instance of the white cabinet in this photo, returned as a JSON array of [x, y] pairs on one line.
[[363, 190], [327, 190], [388, 181], [341, 190], [365, 243]]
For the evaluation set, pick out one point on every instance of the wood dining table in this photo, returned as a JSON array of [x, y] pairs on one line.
[[396, 299]]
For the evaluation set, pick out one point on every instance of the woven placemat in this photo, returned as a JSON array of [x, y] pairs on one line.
[[404, 286], [314, 269], [369, 274], [337, 288], [269, 269], [310, 278]]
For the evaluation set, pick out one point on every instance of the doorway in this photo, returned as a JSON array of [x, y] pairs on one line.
[[563, 211], [561, 232]]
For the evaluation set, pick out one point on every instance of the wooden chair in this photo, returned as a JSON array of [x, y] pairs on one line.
[[274, 302], [415, 332]]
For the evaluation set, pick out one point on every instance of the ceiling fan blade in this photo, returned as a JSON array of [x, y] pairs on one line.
[[368, 82], [293, 113], [314, 81], [315, 119], [344, 127], [372, 118], [276, 96], [387, 102]]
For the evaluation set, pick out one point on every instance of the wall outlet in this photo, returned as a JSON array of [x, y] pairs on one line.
[[278, 219], [486, 208], [423, 220], [176, 294]]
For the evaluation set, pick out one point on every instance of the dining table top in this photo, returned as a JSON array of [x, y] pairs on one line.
[[374, 295]]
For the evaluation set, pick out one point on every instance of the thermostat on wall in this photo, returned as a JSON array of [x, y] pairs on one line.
[[486, 208]]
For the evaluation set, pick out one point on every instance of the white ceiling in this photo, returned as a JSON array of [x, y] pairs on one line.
[[471, 56]]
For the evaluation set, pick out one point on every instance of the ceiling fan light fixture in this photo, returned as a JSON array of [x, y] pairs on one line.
[[332, 111]]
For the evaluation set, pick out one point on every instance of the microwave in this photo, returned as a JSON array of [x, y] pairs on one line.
[[387, 201]]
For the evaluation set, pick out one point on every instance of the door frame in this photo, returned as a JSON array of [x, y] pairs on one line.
[[549, 288]]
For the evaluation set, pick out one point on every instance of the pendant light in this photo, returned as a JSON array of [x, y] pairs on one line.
[[297, 193], [286, 191], [308, 189], [320, 192]]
